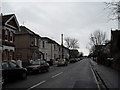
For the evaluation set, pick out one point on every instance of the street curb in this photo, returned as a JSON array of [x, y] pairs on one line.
[[99, 79]]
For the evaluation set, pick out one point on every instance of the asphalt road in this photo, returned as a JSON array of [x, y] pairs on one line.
[[75, 75]]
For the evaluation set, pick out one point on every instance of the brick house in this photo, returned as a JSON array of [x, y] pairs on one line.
[[115, 48], [115, 43], [27, 44], [9, 26]]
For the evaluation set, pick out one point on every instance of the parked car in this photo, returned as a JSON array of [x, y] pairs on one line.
[[38, 66], [62, 62], [11, 70], [72, 60], [50, 62], [109, 61]]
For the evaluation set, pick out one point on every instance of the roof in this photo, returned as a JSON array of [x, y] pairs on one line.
[[6, 17], [25, 30], [49, 40]]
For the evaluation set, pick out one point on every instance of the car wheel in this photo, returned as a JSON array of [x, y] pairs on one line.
[[24, 76]]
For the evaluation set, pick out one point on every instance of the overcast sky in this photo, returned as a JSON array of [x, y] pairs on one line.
[[73, 19]]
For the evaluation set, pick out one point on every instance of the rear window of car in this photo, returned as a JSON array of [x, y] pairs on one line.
[[13, 65]]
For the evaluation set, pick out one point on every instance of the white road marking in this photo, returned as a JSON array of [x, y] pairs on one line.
[[36, 85], [56, 75]]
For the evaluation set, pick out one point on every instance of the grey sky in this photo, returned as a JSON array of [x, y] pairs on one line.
[[73, 19]]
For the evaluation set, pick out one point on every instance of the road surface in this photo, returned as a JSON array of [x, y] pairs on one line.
[[75, 75]]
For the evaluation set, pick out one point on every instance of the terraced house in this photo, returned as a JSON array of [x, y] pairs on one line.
[[9, 26]]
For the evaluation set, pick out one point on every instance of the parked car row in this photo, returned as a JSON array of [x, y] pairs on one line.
[[11, 70], [73, 60]]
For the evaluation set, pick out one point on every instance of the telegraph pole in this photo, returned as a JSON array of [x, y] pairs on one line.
[[62, 45]]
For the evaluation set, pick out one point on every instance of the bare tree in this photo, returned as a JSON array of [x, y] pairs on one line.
[[114, 8], [68, 41], [71, 43], [96, 38]]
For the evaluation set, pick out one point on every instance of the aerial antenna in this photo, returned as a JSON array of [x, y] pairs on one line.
[[23, 23]]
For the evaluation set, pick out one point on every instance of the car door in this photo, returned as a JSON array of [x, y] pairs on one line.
[[6, 71], [15, 70]]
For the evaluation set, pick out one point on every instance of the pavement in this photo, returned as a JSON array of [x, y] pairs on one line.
[[109, 76]]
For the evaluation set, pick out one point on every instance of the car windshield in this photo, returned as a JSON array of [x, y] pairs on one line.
[[36, 63]]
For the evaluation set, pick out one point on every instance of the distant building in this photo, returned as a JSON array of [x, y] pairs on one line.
[[74, 53], [9, 26], [27, 44], [115, 42]]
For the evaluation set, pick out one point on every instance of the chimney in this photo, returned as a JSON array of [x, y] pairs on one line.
[[1, 14]]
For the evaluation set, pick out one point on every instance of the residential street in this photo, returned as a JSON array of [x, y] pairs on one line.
[[61, 44], [75, 75]]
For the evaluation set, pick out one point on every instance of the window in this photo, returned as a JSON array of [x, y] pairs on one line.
[[11, 55], [11, 36], [6, 54], [46, 56], [32, 43], [6, 34], [43, 44], [59, 48], [54, 47], [35, 41]]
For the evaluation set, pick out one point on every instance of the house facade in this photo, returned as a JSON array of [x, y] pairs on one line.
[[115, 48], [27, 44], [1, 49], [115, 43], [50, 48], [66, 52], [9, 27]]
